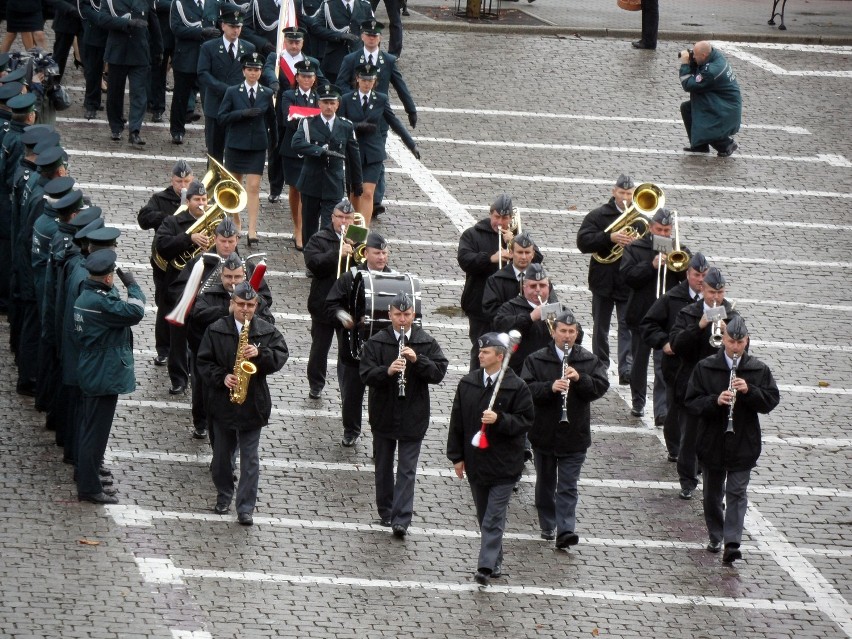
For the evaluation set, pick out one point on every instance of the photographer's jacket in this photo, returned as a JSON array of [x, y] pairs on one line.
[[716, 101]]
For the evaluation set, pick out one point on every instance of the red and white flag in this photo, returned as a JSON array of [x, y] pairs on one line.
[[298, 112]]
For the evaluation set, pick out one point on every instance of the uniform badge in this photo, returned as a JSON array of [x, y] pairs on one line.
[[698, 78]]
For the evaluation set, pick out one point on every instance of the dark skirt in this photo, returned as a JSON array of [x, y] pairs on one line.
[[292, 170], [24, 20], [245, 162], [371, 172]]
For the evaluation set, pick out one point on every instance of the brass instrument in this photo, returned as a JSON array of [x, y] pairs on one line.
[[716, 332], [676, 260], [734, 364], [243, 368], [356, 233], [549, 319], [565, 366], [647, 198], [515, 226], [401, 380]]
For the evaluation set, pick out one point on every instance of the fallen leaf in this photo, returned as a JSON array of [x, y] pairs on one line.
[[88, 542], [823, 384], [595, 632]]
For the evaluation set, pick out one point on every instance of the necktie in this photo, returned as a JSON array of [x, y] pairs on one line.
[[364, 103], [231, 50], [697, 296], [370, 59], [348, 10], [201, 4], [489, 384], [328, 124], [251, 97]]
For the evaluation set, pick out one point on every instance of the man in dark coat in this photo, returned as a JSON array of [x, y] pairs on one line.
[[66, 26], [690, 342], [656, 326], [239, 424], [105, 366], [608, 290], [713, 113], [321, 258], [157, 80], [161, 205], [642, 273], [505, 284], [562, 374], [492, 471], [727, 392], [398, 364], [92, 47], [344, 17]]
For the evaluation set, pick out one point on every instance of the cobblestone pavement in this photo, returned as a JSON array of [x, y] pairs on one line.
[[775, 217]]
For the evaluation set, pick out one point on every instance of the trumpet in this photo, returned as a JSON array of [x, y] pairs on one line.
[[716, 332], [676, 260], [549, 319], [356, 233], [401, 380], [565, 366], [735, 362]]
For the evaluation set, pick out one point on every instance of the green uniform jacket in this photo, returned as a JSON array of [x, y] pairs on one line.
[[102, 322], [717, 105]]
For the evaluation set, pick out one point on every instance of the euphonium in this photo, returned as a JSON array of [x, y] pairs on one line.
[[647, 198], [356, 233], [243, 368]]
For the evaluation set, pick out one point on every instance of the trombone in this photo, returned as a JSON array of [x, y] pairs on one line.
[[647, 198], [356, 234], [516, 226], [676, 260]]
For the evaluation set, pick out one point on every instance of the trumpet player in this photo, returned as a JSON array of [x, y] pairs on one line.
[[398, 365], [690, 342], [506, 283], [563, 378], [238, 425], [641, 269], [727, 392]]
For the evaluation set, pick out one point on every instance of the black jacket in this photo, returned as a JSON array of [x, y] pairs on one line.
[[503, 461], [503, 286], [216, 356], [161, 205], [640, 277], [515, 314], [604, 279], [541, 369], [212, 305], [690, 343], [171, 240], [716, 448], [659, 321], [320, 255], [403, 418]]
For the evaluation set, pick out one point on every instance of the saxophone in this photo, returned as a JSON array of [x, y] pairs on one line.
[[243, 368]]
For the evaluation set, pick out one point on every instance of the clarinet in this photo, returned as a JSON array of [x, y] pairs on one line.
[[736, 361], [401, 380], [565, 365]]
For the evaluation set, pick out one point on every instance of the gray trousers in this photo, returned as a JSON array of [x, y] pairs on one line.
[[225, 444], [556, 493], [687, 464], [492, 506], [395, 499], [602, 308], [725, 522]]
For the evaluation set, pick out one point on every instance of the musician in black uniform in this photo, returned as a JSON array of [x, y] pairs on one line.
[[339, 312], [690, 342], [160, 206], [321, 258], [493, 471], [563, 374], [608, 290], [505, 284], [238, 425], [398, 364], [726, 403], [642, 273], [656, 326], [170, 242]]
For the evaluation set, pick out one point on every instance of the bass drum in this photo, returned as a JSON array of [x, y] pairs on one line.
[[371, 296]]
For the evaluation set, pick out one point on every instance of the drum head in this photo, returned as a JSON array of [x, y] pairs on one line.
[[371, 296]]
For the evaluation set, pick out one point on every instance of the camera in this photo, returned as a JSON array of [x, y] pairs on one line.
[[689, 53]]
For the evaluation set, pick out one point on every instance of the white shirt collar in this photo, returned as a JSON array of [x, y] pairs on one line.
[[560, 354], [375, 54], [517, 271], [329, 121], [407, 334], [292, 59], [361, 96], [485, 377], [256, 87], [236, 44], [239, 325], [692, 293]]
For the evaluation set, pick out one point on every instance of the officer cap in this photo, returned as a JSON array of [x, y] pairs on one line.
[[699, 263], [181, 169], [293, 33], [68, 203], [625, 182], [736, 327], [58, 187], [663, 216], [226, 228], [402, 301], [22, 104], [106, 235], [372, 27], [494, 340], [51, 158], [502, 205], [32, 135], [4, 60], [345, 206], [86, 216], [566, 317], [523, 240], [714, 279], [101, 262], [48, 142], [252, 60], [366, 71], [244, 291], [15, 76], [306, 67], [376, 241], [328, 92], [195, 188], [94, 225], [10, 90], [231, 14], [233, 262], [535, 273]]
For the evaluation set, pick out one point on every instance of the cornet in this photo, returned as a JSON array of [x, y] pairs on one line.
[[716, 332]]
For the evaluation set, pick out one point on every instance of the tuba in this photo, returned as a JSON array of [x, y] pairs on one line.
[[243, 368], [647, 198], [356, 233]]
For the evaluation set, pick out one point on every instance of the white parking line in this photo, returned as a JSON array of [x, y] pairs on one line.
[[736, 51]]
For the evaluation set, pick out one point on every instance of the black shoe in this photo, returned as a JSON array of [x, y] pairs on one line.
[[192, 116], [639, 44], [548, 535], [567, 539], [497, 572], [528, 455], [686, 494], [672, 458], [637, 412], [177, 138], [199, 432], [731, 554], [100, 498], [714, 546], [89, 114], [135, 140], [399, 531], [314, 394], [405, 10], [516, 487], [178, 389], [116, 136], [245, 519], [386, 523], [104, 472], [221, 509], [112, 492], [660, 421], [26, 389], [349, 440], [482, 577], [252, 241], [723, 154], [157, 116], [378, 209], [107, 481], [161, 360], [703, 148], [308, 273], [624, 380], [273, 198]]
